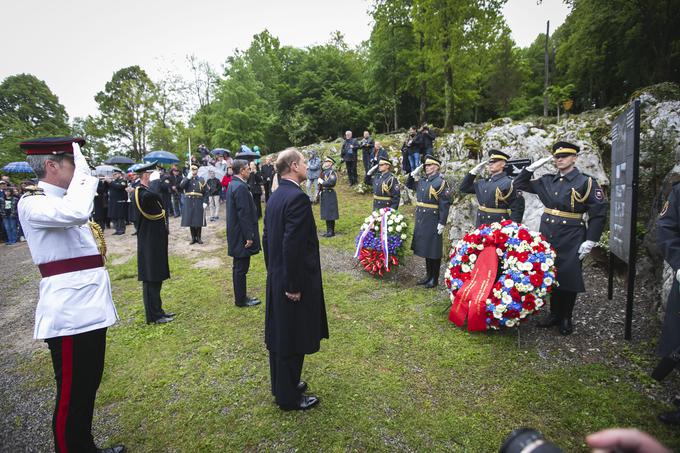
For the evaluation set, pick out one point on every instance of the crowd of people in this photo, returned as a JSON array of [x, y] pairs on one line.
[[68, 196]]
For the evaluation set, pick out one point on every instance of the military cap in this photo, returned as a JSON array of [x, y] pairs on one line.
[[194, 167], [384, 160], [430, 159], [50, 145], [117, 170], [330, 159], [494, 155], [565, 149], [143, 168]]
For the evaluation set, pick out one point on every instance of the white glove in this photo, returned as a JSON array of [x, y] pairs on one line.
[[319, 181], [440, 229], [205, 205], [477, 167], [585, 249], [415, 172], [372, 170], [538, 164], [155, 175], [79, 161], [677, 275]]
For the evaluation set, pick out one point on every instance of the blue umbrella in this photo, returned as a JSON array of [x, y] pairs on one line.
[[17, 167], [134, 167], [163, 157], [220, 151]]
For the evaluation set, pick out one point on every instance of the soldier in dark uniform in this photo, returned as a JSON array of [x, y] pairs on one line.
[[152, 246], [195, 202], [100, 200], [386, 192], [567, 195], [432, 210], [348, 153], [328, 197], [161, 184], [118, 201], [497, 197], [668, 234]]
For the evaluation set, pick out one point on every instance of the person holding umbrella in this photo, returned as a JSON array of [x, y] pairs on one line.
[[195, 202]]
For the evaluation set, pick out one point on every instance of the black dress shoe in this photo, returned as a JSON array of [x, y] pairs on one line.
[[431, 283], [170, 315], [114, 449], [566, 326], [670, 418], [199, 242], [549, 321], [306, 402], [301, 387], [163, 320], [249, 302], [193, 241], [423, 281]]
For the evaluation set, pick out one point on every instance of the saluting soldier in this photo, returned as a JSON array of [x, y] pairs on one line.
[[668, 234], [497, 197], [327, 196], [133, 183], [386, 192], [152, 246], [567, 195], [432, 209], [118, 201], [195, 202]]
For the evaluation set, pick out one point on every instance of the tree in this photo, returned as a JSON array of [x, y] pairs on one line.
[[127, 110], [504, 78], [557, 95], [28, 109]]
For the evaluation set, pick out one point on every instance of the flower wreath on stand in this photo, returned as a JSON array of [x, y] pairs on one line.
[[380, 242], [498, 275]]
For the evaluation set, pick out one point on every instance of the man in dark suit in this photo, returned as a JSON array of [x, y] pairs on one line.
[[295, 319], [152, 246], [118, 201], [243, 238]]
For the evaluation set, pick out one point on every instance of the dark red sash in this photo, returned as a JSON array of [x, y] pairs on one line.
[[70, 265], [470, 302]]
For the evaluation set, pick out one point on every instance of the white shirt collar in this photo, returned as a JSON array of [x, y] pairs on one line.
[[51, 189], [293, 181]]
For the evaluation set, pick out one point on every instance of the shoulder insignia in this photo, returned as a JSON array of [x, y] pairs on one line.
[[33, 190], [599, 194], [664, 209]]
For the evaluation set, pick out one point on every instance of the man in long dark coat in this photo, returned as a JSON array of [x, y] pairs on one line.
[[668, 234], [132, 212], [432, 210], [243, 236], [567, 195], [118, 201], [497, 197], [386, 193], [195, 202], [327, 196], [152, 247], [295, 320], [100, 203], [348, 153]]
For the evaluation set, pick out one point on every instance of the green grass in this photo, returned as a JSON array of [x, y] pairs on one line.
[[394, 376]]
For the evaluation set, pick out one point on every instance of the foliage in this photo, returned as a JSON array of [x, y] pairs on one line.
[[28, 109]]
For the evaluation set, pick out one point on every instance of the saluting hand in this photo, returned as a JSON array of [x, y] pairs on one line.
[[249, 242], [478, 167], [79, 160], [538, 164]]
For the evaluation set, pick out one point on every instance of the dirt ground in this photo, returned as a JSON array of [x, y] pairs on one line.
[[598, 336]]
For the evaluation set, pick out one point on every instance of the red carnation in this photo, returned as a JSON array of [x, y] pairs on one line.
[[536, 279], [465, 258], [506, 222], [514, 293]]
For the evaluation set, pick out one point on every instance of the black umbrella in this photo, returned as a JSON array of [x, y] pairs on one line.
[[247, 155], [119, 160]]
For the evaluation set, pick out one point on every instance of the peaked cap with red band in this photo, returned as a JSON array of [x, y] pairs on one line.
[[50, 145]]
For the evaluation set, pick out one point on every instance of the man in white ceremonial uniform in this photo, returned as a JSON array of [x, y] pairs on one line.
[[75, 306]]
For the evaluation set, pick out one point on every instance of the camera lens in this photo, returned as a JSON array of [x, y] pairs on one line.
[[528, 440]]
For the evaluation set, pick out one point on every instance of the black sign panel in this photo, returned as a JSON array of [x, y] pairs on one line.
[[625, 149], [513, 167]]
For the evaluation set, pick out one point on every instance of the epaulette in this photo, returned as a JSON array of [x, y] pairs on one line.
[[33, 190]]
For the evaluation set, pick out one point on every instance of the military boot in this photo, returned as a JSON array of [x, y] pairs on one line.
[[198, 236], [428, 273], [434, 269], [551, 319], [331, 228]]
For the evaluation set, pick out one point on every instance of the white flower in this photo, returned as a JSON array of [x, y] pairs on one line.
[[376, 228], [375, 214], [508, 283], [390, 222], [549, 262], [499, 252], [382, 210], [473, 258], [390, 229], [510, 322], [364, 226], [403, 236], [400, 218], [398, 228], [544, 267], [368, 219], [548, 281]]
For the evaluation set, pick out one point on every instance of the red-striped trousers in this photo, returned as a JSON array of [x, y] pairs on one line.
[[78, 362]]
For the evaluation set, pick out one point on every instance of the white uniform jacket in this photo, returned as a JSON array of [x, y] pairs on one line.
[[55, 227]]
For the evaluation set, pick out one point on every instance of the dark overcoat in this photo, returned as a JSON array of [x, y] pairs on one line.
[[101, 200], [195, 194], [668, 236], [241, 220], [328, 199], [118, 199], [432, 208], [496, 192], [386, 193], [133, 212], [152, 237], [573, 193], [291, 252]]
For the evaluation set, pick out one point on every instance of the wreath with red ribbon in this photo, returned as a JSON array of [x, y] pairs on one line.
[[380, 242]]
